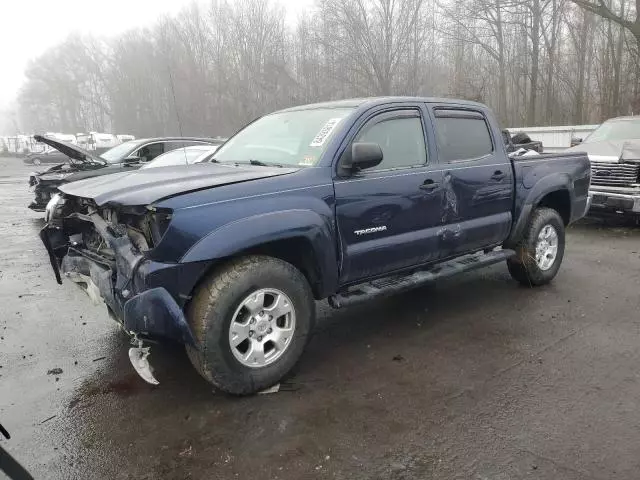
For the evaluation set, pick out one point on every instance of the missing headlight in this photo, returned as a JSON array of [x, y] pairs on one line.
[[158, 221]]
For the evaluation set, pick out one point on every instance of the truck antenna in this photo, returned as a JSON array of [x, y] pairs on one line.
[[175, 106]]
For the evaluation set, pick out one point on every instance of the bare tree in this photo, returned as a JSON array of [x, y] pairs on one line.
[[373, 39], [604, 9], [218, 65]]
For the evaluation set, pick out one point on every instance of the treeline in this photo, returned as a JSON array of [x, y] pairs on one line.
[[216, 66]]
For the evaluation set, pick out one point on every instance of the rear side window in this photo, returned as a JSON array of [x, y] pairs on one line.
[[462, 136], [151, 151]]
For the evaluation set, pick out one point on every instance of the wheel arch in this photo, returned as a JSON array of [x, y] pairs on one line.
[[551, 192], [302, 238], [558, 200]]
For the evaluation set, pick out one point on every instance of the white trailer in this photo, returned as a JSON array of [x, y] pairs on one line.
[[65, 137], [95, 141], [19, 144]]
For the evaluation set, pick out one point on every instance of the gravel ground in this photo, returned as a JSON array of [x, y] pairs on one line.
[[475, 378]]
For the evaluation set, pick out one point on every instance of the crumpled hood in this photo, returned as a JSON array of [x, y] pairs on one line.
[[609, 150], [149, 185], [59, 171], [55, 177]]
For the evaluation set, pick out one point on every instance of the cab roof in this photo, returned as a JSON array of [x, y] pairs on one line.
[[375, 101]]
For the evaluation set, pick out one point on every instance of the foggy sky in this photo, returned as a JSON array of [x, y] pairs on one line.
[[29, 27]]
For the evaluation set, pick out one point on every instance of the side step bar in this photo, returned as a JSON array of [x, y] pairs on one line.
[[395, 284]]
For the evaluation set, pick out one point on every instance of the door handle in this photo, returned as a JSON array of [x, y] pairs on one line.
[[429, 185], [498, 175]]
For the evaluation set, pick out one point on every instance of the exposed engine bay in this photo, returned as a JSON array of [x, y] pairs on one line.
[[102, 250], [89, 227]]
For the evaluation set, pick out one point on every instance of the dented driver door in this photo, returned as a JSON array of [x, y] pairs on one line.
[[388, 216]]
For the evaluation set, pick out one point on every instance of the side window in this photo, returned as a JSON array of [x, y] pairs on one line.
[[151, 151], [400, 138], [462, 136]]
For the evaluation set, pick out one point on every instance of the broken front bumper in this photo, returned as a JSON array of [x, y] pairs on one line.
[[131, 287], [615, 200], [42, 194]]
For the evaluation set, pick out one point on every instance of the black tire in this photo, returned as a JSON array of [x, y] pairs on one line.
[[211, 311], [523, 267], [520, 138]]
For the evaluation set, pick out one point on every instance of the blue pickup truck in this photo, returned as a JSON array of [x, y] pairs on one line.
[[345, 201]]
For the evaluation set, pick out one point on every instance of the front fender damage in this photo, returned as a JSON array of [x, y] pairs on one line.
[[156, 312], [118, 282]]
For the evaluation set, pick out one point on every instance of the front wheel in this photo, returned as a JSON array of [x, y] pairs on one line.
[[540, 251], [251, 321]]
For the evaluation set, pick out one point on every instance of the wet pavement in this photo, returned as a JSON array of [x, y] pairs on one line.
[[475, 378]]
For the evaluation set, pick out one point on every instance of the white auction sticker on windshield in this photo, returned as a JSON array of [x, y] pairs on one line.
[[324, 132]]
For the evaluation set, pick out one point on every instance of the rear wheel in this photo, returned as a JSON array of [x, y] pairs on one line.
[[539, 254], [251, 321]]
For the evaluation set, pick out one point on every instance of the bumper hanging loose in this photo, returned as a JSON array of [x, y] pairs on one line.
[[144, 311]]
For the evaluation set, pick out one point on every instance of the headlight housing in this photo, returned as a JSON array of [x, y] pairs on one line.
[[158, 220], [54, 203]]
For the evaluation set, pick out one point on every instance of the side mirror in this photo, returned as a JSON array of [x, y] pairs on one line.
[[575, 141], [363, 155]]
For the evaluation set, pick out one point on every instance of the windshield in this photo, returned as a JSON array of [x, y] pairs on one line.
[[180, 156], [627, 129], [117, 153], [287, 138]]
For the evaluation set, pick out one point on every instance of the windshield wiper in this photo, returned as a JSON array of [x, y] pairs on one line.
[[260, 163]]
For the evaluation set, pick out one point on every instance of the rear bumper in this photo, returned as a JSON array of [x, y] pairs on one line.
[[620, 201], [128, 287]]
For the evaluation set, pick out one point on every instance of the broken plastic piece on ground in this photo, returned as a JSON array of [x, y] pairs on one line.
[[274, 389], [138, 356], [186, 452]]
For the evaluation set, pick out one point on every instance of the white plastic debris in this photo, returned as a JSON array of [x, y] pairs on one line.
[[138, 357], [274, 389]]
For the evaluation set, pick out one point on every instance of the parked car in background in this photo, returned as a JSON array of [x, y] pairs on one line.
[[346, 201], [47, 155], [183, 156], [614, 151], [75, 163]]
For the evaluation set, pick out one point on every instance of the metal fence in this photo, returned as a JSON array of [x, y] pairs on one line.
[[555, 138]]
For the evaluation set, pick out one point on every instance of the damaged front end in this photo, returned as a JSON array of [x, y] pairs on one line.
[[45, 184], [104, 251], [43, 191]]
